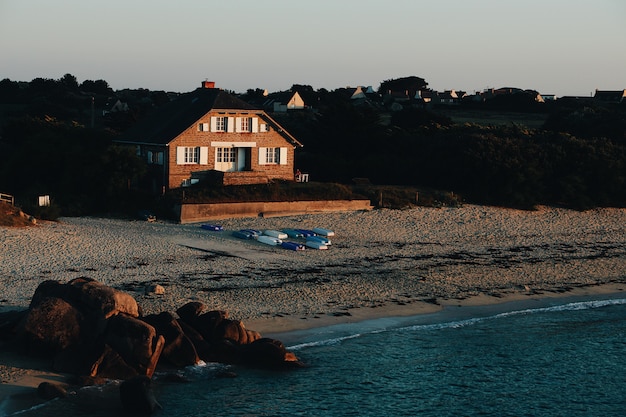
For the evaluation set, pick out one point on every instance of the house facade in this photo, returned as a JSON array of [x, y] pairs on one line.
[[210, 135]]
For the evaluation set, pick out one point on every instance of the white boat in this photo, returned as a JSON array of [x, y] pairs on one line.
[[269, 240], [275, 233], [315, 244], [323, 232]]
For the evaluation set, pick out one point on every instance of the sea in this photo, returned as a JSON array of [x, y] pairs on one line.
[[549, 357]]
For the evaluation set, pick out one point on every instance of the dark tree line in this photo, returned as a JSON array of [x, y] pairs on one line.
[[577, 160]]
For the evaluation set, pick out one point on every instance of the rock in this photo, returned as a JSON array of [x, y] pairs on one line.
[[178, 349], [190, 311], [136, 341], [208, 323], [268, 353], [111, 365], [203, 348], [51, 326], [79, 359], [137, 396], [49, 391], [154, 289], [107, 300]]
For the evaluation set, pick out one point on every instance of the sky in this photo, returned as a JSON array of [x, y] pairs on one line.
[[561, 47]]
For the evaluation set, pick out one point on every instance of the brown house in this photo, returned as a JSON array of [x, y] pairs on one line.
[[208, 134]]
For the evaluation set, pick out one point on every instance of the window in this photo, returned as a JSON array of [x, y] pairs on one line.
[[272, 155], [220, 124], [155, 158], [245, 124], [192, 155], [225, 154], [203, 127]]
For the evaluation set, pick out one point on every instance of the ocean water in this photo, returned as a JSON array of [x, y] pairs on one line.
[[541, 359]]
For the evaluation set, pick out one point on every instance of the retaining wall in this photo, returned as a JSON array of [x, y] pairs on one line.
[[192, 213]]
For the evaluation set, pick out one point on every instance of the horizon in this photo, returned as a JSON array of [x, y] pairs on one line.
[[560, 48]]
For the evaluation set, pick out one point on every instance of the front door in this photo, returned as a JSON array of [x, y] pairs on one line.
[[226, 159]]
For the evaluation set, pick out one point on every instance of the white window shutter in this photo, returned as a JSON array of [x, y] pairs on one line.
[[255, 124], [204, 155], [213, 124], [238, 124], [149, 157], [262, 127], [262, 155], [230, 125], [205, 127], [283, 156], [180, 155]]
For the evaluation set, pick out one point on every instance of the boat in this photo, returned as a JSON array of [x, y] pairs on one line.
[[321, 239], [323, 232], [214, 227], [241, 234], [315, 244], [293, 233], [293, 246], [269, 240], [253, 232], [306, 232], [275, 233]]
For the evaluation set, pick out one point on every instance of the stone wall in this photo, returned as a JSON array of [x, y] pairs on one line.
[[192, 213]]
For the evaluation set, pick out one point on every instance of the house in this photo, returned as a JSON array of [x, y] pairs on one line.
[[282, 102], [609, 96], [208, 134]]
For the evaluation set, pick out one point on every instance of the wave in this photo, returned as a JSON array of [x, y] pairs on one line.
[[573, 306]]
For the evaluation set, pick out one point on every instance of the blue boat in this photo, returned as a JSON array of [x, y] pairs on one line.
[[253, 232], [241, 234], [213, 227], [306, 232], [323, 240], [292, 246], [293, 233]]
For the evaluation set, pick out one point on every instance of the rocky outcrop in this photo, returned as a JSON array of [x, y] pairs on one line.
[[98, 332]]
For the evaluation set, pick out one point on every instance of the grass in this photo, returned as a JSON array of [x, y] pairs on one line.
[[12, 216]]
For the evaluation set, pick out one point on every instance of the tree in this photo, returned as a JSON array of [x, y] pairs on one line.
[[69, 82]]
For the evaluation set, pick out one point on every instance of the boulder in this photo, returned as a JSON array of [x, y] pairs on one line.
[[208, 323], [136, 341], [202, 347], [178, 349], [50, 390], [137, 396], [107, 300], [268, 353], [50, 326], [111, 365], [190, 311]]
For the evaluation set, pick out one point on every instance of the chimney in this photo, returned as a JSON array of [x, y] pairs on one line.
[[208, 84]]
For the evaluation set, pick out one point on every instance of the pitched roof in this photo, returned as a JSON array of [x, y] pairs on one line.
[[168, 121]]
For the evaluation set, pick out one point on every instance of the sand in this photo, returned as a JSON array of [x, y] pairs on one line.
[[380, 263]]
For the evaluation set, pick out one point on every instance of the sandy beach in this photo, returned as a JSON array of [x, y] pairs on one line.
[[381, 263]]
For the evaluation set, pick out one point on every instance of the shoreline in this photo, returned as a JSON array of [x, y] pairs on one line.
[[381, 264], [277, 326]]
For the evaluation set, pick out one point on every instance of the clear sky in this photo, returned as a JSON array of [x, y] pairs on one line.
[[562, 47]]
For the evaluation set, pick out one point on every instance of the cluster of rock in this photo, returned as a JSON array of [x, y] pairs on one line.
[[92, 330]]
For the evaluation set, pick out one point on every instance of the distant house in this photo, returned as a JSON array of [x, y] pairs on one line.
[[208, 134], [282, 102], [607, 96]]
